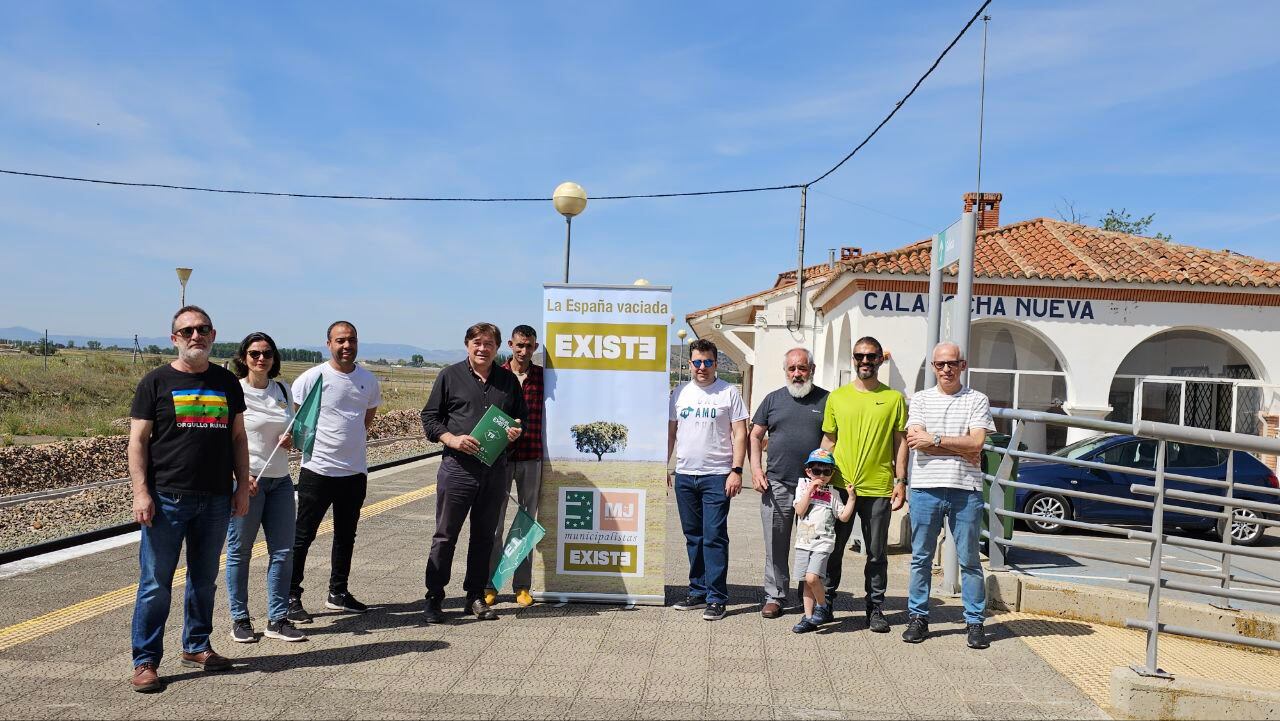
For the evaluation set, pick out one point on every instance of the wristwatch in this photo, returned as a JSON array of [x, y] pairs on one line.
[[903, 481], [736, 469], [937, 439]]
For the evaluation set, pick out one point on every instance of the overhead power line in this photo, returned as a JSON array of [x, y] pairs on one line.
[[898, 106], [421, 199], [445, 199]]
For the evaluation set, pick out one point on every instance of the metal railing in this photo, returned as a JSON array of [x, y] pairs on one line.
[[1223, 507]]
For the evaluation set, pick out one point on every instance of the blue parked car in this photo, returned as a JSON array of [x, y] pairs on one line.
[[1140, 453]]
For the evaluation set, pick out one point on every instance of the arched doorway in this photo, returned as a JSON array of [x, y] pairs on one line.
[[1188, 377], [1016, 368]]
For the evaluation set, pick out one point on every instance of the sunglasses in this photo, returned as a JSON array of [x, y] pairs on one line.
[[700, 363], [256, 354], [822, 470], [202, 329], [939, 365], [866, 357]]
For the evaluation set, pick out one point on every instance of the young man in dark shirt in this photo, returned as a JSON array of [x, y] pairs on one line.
[[465, 485], [524, 466], [186, 437]]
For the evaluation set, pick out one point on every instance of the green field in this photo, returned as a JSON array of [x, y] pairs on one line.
[[81, 392]]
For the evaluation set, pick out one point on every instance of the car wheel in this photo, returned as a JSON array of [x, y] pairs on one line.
[[1243, 533], [1051, 509]]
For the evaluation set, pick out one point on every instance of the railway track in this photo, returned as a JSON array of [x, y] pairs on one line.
[[98, 534], [52, 493]]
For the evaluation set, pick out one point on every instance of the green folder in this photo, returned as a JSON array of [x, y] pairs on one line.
[[491, 433]]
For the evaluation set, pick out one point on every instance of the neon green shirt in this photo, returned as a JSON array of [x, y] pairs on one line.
[[863, 423]]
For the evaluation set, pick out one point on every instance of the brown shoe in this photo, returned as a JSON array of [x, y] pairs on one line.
[[771, 609], [208, 660], [145, 678]]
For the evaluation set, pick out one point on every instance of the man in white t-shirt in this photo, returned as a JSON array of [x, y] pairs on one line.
[[946, 427], [708, 430], [335, 474]]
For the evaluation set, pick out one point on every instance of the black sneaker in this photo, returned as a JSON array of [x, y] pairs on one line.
[[917, 629], [344, 601], [297, 613], [691, 603], [284, 630], [433, 614], [242, 631], [876, 620], [713, 612], [976, 636]]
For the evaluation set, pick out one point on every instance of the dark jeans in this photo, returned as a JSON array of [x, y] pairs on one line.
[[315, 494], [874, 514], [704, 518], [460, 492], [201, 522]]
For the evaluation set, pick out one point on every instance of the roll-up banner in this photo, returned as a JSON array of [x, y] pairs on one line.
[[604, 478]]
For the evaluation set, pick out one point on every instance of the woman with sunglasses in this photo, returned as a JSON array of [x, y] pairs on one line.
[[271, 502]]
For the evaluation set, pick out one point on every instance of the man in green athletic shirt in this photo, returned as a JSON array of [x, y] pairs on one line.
[[865, 426]]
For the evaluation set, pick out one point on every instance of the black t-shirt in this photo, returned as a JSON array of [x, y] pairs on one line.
[[191, 449]]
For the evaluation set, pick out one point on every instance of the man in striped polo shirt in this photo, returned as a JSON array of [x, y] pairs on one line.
[[946, 427]]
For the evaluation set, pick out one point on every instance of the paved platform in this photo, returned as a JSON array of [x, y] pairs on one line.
[[64, 647]]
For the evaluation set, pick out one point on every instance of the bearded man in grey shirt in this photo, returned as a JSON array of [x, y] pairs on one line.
[[791, 419]]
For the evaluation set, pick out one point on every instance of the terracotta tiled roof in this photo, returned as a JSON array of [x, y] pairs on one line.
[[811, 272], [1054, 250]]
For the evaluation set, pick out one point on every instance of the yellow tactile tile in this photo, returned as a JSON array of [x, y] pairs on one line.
[[1084, 653], [48, 623]]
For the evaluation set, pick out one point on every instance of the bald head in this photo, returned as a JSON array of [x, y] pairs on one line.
[[948, 351]]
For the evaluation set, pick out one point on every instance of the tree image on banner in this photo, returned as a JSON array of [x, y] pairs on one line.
[[599, 437]]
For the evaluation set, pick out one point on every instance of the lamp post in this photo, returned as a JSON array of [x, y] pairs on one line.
[[569, 200], [184, 274], [681, 334]]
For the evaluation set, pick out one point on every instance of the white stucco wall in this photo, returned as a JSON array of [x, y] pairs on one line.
[[1090, 349]]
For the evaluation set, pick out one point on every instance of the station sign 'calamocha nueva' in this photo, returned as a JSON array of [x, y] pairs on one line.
[[606, 385]]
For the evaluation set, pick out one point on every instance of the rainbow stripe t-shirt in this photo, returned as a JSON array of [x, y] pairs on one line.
[[200, 408]]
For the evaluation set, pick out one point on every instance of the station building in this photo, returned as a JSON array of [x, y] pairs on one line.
[[1066, 319]]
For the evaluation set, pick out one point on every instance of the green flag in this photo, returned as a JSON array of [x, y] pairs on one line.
[[304, 424], [525, 534]]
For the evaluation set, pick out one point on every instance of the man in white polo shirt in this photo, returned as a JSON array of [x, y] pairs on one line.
[[946, 427], [335, 475]]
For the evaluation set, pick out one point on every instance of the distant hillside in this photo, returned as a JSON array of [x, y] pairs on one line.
[[368, 350]]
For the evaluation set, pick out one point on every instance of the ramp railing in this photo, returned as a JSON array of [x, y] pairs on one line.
[[1219, 501]]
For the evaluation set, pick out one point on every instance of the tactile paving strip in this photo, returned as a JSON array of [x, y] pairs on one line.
[[48, 623], [1085, 653]]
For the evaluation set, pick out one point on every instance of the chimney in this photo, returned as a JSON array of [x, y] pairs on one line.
[[849, 252], [989, 210], [831, 257]]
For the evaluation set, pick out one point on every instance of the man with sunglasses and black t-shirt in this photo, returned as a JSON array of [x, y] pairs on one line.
[[864, 426], [186, 439]]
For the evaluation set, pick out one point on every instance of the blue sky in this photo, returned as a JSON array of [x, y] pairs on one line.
[[1167, 108]]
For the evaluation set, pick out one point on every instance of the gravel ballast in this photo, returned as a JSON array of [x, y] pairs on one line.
[[40, 521]]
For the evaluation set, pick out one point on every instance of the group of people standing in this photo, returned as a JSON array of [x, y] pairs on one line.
[[832, 456], [208, 464], [209, 468]]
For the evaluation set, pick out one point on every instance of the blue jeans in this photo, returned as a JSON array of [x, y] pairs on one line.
[[273, 509], [962, 510], [200, 521], [704, 517]]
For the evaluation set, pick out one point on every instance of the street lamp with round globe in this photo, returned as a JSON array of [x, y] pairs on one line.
[[569, 200], [681, 334]]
